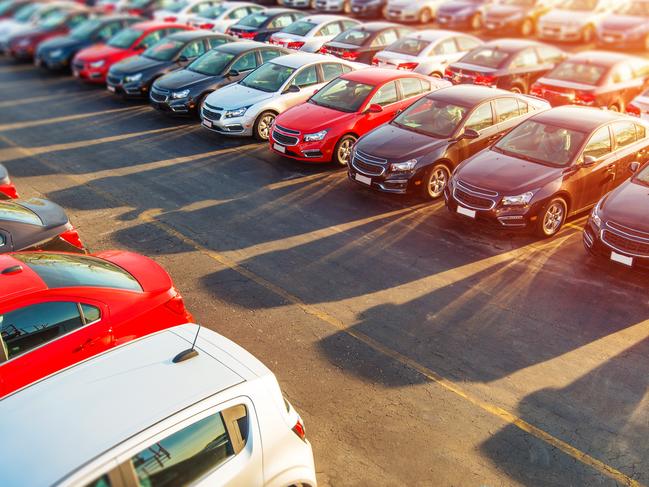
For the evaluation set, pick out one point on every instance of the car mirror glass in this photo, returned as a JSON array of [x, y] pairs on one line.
[[374, 108], [233, 73], [634, 166], [293, 89]]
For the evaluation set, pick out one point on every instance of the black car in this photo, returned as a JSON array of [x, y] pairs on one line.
[[361, 43], [259, 26], [36, 224], [419, 149], [461, 14], [57, 53], [182, 91], [369, 8], [510, 64], [134, 76]]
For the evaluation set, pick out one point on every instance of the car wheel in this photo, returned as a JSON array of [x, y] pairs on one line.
[[425, 16], [552, 218], [588, 34], [646, 43], [199, 103], [343, 150], [615, 107], [476, 21], [527, 29], [436, 74], [261, 129], [384, 12], [435, 181], [347, 7]]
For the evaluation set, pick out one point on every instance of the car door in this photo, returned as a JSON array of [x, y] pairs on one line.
[[481, 119], [509, 112], [387, 96], [307, 80], [190, 52], [380, 41], [524, 69]]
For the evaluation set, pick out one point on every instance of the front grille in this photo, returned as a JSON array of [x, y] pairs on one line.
[[287, 131], [476, 189], [368, 164], [155, 96], [284, 139], [114, 80], [474, 197], [626, 239], [211, 115]]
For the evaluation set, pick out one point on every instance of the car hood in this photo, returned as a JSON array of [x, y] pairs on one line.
[[505, 11], [623, 23], [136, 64], [396, 144], [183, 79], [455, 7], [302, 117], [51, 214], [627, 205], [62, 42], [236, 95], [100, 51], [506, 175], [567, 16]]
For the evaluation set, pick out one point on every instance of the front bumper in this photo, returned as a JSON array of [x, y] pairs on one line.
[[330, 6], [615, 40], [596, 246], [84, 72], [321, 151], [21, 53], [239, 127], [44, 60], [401, 15], [116, 85], [502, 25], [374, 174], [367, 10], [453, 21]]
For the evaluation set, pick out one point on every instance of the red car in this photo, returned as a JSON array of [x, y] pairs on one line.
[[92, 64], [7, 188], [57, 309], [325, 127]]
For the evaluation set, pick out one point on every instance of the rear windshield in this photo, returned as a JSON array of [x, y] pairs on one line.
[[411, 47], [355, 37], [16, 213], [253, 20], [487, 57], [300, 28], [125, 38], [588, 74], [64, 270]]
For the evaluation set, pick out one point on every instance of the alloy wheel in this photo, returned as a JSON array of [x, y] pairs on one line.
[[553, 218], [344, 150], [437, 181], [263, 127]]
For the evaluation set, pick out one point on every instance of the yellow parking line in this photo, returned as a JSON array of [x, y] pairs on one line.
[[67, 118]]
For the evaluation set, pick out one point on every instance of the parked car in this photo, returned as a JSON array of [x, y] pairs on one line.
[[182, 92], [462, 14], [422, 11], [249, 107], [57, 53], [259, 26], [575, 20], [369, 8], [218, 418], [618, 227], [298, 3], [514, 16], [419, 149], [557, 164], [9, 7], [363, 42], [325, 128], [7, 188], [595, 78], [180, 11], [426, 51], [92, 64], [309, 34], [511, 64], [336, 6], [27, 17], [133, 77], [639, 106], [143, 8], [223, 15], [627, 27]]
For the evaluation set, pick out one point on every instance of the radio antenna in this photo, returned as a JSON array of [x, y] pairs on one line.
[[190, 352]]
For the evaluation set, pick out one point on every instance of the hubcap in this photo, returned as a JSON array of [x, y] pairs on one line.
[[264, 126], [527, 28], [424, 18], [553, 218], [476, 22], [345, 151], [438, 180]]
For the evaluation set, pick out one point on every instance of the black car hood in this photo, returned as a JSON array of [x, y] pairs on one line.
[[137, 64], [623, 23], [396, 144], [505, 11], [51, 214], [627, 205], [64, 42], [184, 78]]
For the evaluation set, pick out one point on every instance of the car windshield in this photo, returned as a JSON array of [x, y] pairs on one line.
[[642, 176], [435, 118], [355, 37], [215, 12], [487, 57], [544, 143], [85, 29], [165, 50], [253, 20], [411, 47], [125, 38], [268, 77], [24, 13], [211, 63], [16, 213], [300, 28], [66, 270], [639, 9], [585, 73], [343, 95], [578, 5], [176, 7], [54, 19]]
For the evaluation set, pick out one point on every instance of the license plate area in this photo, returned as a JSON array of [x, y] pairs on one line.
[[465, 211], [279, 148], [207, 123], [622, 259], [363, 179]]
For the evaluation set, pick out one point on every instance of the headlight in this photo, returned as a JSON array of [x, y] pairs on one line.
[[237, 112], [133, 78], [97, 64], [179, 94], [594, 216], [403, 166], [316, 137], [56, 53], [519, 200]]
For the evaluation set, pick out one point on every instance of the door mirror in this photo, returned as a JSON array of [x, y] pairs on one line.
[[589, 161], [634, 166], [374, 108], [293, 89], [233, 73], [469, 134], [183, 59]]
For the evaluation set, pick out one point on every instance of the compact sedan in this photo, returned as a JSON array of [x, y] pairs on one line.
[[180, 11], [618, 227], [554, 165], [461, 14], [418, 150], [575, 20], [626, 28], [514, 16], [426, 51], [363, 42], [58, 309], [92, 64], [342, 6], [259, 26], [639, 107], [249, 107], [511, 64], [309, 34], [7, 188], [133, 77], [325, 128], [595, 78], [27, 17], [9, 7], [182, 92], [223, 15], [57, 53], [422, 11]]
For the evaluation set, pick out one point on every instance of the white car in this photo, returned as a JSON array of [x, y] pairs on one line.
[[221, 16], [422, 11], [427, 52], [309, 34], [343, 6], [136, 415], [249, 107], [181, 11], [575, 20]]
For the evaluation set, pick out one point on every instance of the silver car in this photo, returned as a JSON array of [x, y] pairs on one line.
[[311, 33], [427, 52], [422, 11], [249, 107], [344, 6], [575, 20]]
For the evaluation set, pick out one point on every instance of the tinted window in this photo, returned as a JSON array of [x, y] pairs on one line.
[[481, 118], [435, 118], [523, 107], [282, 21], [253, 20], [488, 57], [125, 38], [152, 38], [411, 87], [211, 63], [355, 37], [246, 62], [467, 43], [343, 95], [409, 46], [331, 29], [63, 270], [622, 74], [216, 41], [640, 131], [526, 59], [331, 70], [549, 54], [163, 50], [193, 50], [109, 30], [446, 47], [300, 28], [84, 30], [102, 481], [27, 328], [268, 77], [624, 133], [75, 21], [90, 313], [599, 144], [10, 211], [507, 108], [268, 54], [386, 95], [585, 73], [306, 77]]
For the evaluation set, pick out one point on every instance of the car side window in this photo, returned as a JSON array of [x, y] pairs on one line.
[[306, 77], [201, 7], [348, 24], [507, 108], [331, 70], [525, 59], [624, 133], [622, 74], [385, 38], [268, 54], [238, 13], [640, 131], [411, 87], [466, 43], [246, 62], [330, 29], [523, 107], [281, 21], [385, 95], [481, 118], [599, 144], [109, 30], [215, 42], [193, 50], [29, 327], [549, 54], [445, 47], [151, 39], [103, 481]]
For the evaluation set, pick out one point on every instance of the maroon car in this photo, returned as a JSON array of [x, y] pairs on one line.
[[556, 164], [595, 78], [618, 227]]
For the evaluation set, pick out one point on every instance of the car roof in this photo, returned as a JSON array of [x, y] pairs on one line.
[[432, 35], [113, 395], [302, 59], [243, 46], [603, 58], [322, 18], [152, 25], [376, 76], [113, 17], [277, 11], [512, 45], [468, 95], [18, 284], [376, 26], [188, 35], [580, 118]]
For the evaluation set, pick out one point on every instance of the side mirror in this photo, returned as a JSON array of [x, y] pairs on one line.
[[589, 161], [293, 89], [233, 73], [634, 166], [183, 59], [470, 134], [374, 108]]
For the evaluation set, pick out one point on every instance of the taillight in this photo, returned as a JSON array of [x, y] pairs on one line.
[[170, 19], [407, 66], [323, 50], [298, 429], [72, 237], [9, 190], [485, 80], [177, 305], [273, 40], [375, 61], [584, 98], [228, 31], [448, 73], [247, 35], [536, 90], [206, 26], [296, 45], [350, 55], [634, 110]]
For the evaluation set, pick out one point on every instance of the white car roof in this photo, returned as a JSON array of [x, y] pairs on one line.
[[303, 59], [431, 35], [73, 416], [322, 18]]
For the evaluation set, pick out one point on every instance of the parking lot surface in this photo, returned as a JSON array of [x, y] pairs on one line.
[[419, 349]]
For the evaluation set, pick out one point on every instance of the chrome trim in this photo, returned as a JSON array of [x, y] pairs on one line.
[[587, 239], [620, 233], [620, 229], [286, 131], [381, 169], [476, 190], [287, 140]]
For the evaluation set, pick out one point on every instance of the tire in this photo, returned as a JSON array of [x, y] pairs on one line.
[[347, 7], [261, 129], [552, 218], [435, 181], [425, 16], [588, 35], [527, 28], [436, 74], [646, 43], [476, 21], [200, 102], [343, 150]]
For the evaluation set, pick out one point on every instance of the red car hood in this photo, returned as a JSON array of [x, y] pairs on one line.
[[309, 118], [627, 205], [151, 276], [102, 51]]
